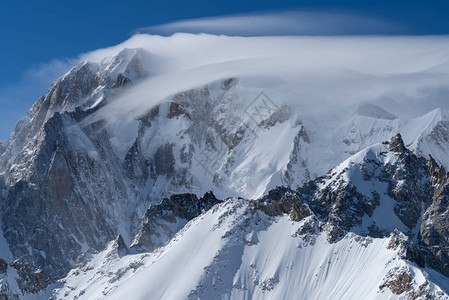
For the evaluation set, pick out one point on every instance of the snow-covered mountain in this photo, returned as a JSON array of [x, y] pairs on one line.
[[111, 205], [349, 235], [235, 251]]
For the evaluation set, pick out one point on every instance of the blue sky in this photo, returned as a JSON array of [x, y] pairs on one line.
[[36, 34]]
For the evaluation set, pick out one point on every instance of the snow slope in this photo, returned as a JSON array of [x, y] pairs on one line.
[[424, 135], [70, 184], [236, 252], [370, 110]]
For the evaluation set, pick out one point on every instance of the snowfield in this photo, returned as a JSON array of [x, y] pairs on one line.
[[236, 252]]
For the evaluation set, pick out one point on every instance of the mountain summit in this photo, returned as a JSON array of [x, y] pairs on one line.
[[218, 192]]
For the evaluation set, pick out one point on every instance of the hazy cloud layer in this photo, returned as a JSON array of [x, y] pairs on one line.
[[316, 75], [280, 23]]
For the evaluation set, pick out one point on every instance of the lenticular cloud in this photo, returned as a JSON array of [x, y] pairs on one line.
[[406, 75], [279, 23]]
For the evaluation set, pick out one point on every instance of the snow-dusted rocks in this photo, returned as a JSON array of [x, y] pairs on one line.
[[61, 198], [119, 204], [162, 221], [236, 251], [352, 234]]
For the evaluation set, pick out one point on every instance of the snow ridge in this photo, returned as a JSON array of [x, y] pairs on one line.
[[78, 185]]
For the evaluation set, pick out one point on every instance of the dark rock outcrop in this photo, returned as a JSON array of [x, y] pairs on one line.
[[283, 200], [63, 183], [29, 281], [161, 222], [434, 230], [397, 144]]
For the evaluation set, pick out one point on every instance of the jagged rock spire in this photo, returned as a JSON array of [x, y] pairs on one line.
[[438, 174], [397, 144], [432, 165]]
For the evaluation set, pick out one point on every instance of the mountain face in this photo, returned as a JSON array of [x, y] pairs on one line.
[[247, 254], [367, 223], [110, 207], [55, 182]]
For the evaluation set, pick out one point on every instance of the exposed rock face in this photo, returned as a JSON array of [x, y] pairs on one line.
[[29, 282], [407, 247], [162, 221], [136, 165], [77, 185], [282, 200], [350, 198], [398, 283], [410, 184], [60, 180], [164, 161], [392, 176], [19, 278], [434, 230], [64, 184], [354, 196], [404, 179], [397, 144], [3, 266], [297, 169], [59, 201], [279, 115], [118, 247], [67, 187]]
